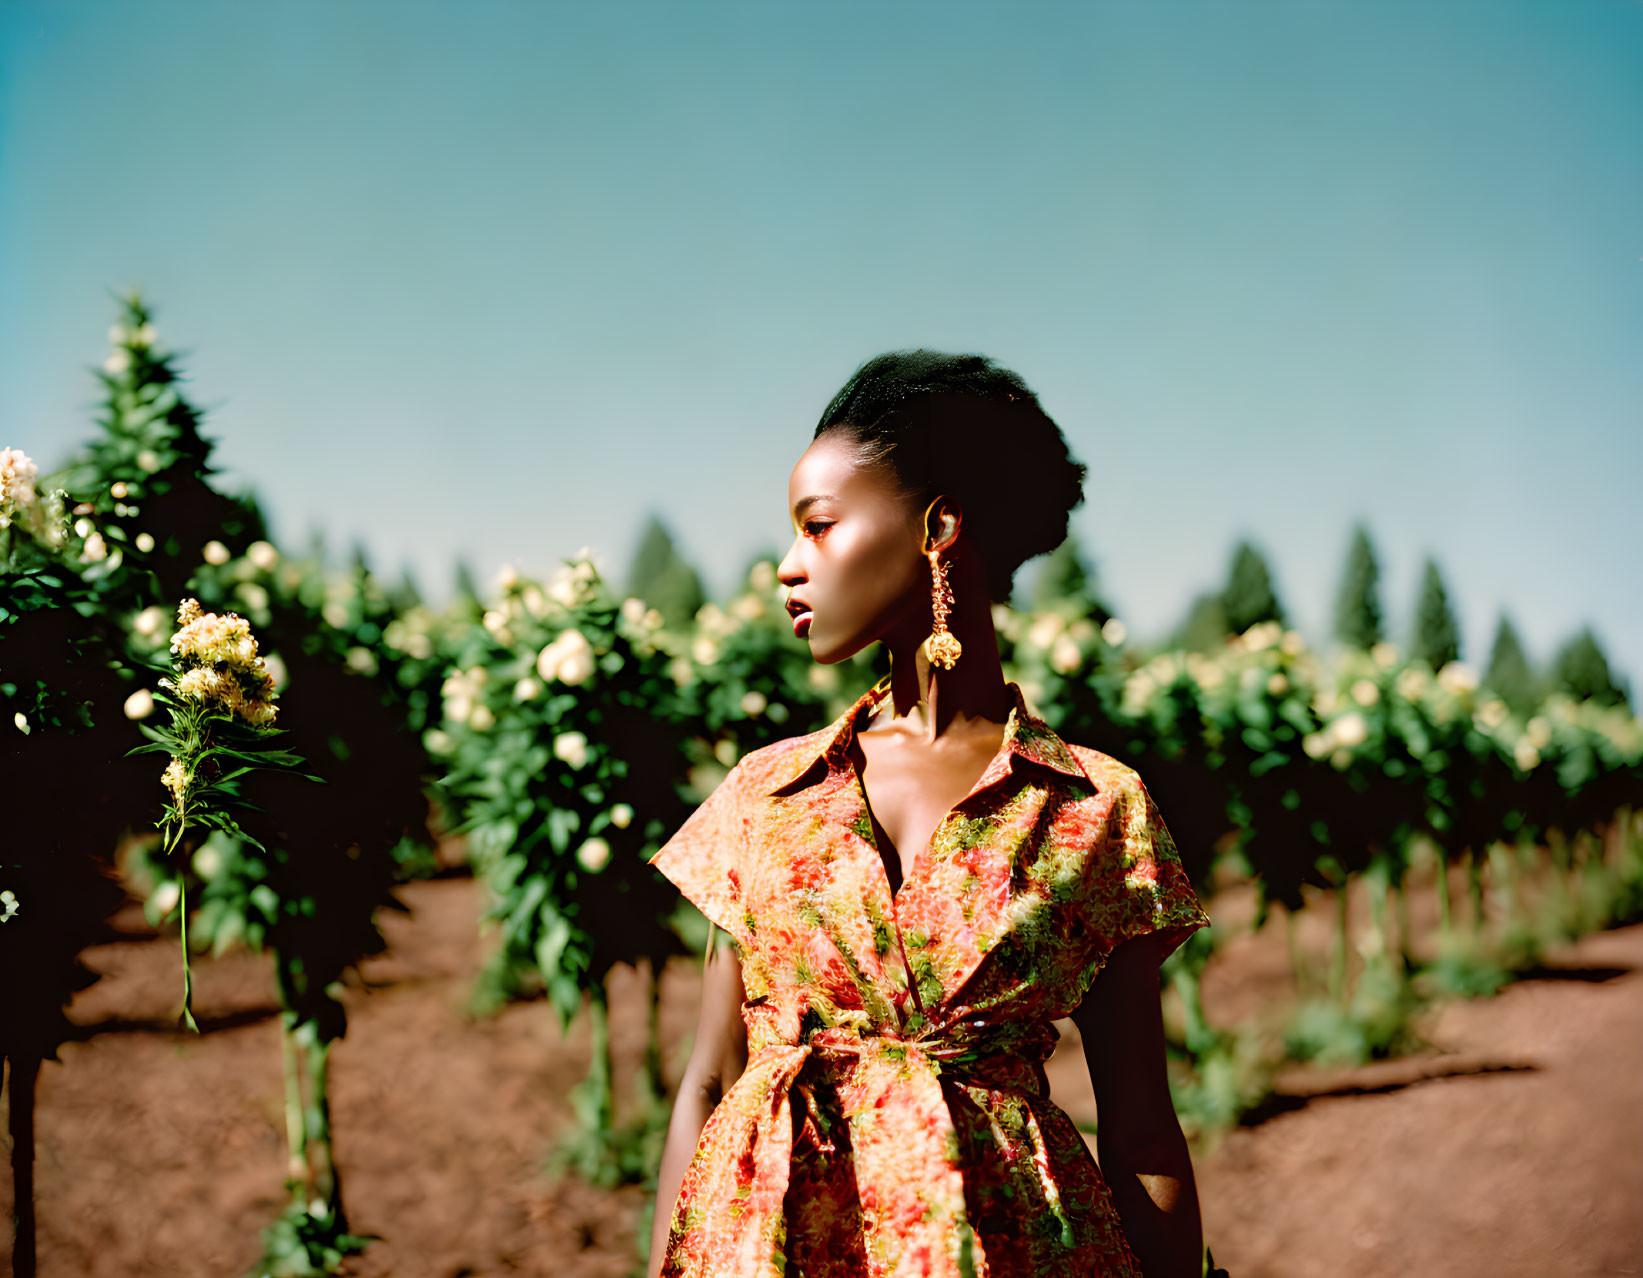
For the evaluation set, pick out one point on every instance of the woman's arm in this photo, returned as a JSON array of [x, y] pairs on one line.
[[1143, 1154], [717, 1059]]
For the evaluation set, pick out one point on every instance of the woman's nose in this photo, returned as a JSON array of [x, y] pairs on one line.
[[787, 572]]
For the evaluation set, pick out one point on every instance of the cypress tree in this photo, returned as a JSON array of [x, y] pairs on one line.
[[1436, 638], [1205, 627], [1510, 675], [1582, 671], [1249, 596], [1067, 581], [406, 595], [1357, 603], [147, 474], [661, 577], [465, 598]]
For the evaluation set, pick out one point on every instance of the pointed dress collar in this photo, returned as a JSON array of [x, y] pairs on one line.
[[1027, 739]]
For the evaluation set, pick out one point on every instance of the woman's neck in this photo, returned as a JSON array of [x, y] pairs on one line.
[[929, 699]]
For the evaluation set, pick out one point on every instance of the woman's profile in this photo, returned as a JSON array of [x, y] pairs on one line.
[[916, 892]]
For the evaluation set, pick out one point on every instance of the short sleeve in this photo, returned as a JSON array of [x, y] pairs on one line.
[[703, 858], [1155, 896]]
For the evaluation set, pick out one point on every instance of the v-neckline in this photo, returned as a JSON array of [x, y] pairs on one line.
[[909, 873]]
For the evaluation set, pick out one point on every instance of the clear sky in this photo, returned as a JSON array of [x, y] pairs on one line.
[[496, 279]]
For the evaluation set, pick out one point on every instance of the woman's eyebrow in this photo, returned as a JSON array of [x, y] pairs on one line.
[[805, 503]]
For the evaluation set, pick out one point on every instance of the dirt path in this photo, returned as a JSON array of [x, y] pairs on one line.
[[1511, 1148]]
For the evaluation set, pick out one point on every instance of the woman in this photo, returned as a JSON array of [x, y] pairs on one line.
[[917, 891]]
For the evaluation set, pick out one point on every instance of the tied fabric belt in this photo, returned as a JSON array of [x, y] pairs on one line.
[[890, 1092]]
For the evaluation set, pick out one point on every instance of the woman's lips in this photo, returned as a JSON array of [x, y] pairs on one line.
[[801, 625]]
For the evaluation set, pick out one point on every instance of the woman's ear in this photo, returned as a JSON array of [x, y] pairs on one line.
[[943, 517]]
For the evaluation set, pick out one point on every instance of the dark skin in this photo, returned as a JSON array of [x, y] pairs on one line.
[[858, 563]]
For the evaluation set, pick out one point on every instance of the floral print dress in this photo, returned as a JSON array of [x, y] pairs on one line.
[[894, 1117]]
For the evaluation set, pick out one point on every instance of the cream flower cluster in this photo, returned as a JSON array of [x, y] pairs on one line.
[[568, 659], [219, 663], [20, 504]]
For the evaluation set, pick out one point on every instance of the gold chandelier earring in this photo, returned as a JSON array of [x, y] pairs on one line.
[[942, 648]]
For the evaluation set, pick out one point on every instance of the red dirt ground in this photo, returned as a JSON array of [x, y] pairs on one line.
[[1513, 1146]]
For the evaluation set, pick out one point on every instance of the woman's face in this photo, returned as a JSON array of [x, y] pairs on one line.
[[856, 570]]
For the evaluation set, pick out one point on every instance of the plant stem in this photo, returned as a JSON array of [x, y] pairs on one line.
[[326, 1187], [1440, 860], [1196, 1030], [652, 1071], [296, 1129], [1297, 962], [1474, 890], [1337, 974], [188, 974], [600, 1071]]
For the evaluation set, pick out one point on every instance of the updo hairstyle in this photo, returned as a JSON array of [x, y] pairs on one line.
[[963, 426]]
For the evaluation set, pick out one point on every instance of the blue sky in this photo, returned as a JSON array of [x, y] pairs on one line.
[[496, 279]]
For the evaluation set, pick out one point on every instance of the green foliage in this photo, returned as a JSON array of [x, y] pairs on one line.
[[1358, 618], [563, 734], [1435, 638], [1581, 671], [1249, 596], [1510, 675], [303, 1244], [661, 577]]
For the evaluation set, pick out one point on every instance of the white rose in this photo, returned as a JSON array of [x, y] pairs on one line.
[[572, 748], [215, 553], [118, 361], [140, 704], [527, 689], [147, 623], [1366, 692], [621, 816], [262, 555], [96, 549], [633, 610], [593, 855], [165, 897], [208, 861], [753, 703], [1458, 678], [1277, 683], [481, 720], [1349, 730], [1045, 627], [148, 460], [577, 666], [144, 542], [1064, 655]]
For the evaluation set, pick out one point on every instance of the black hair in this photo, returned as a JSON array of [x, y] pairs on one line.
[[963, 426]]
